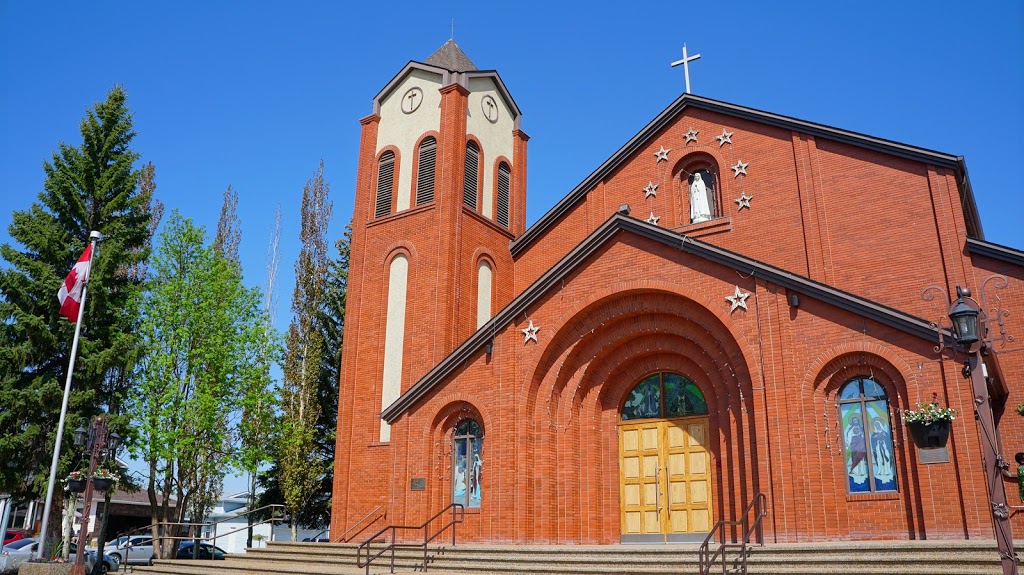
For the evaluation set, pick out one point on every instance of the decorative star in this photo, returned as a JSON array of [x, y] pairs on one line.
[[743, 201], [651, 190], [737, 299], [725, 138], [653, 219], [691, 136], [740, 168], [530, 333], [662, 154]]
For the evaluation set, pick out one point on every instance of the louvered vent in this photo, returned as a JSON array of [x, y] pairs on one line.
[[425, 178], [385, 183], [470, 185], [504, 176]]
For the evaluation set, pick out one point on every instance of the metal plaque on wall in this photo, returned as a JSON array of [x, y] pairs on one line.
[[927, 455], [418, 483]]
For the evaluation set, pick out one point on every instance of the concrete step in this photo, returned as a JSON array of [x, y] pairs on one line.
[[841, 558]]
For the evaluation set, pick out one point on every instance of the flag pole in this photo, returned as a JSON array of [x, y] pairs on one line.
[[94, 236]]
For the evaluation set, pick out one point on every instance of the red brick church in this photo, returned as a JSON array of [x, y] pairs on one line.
[[735, 302]]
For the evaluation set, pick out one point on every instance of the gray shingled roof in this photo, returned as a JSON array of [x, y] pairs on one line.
[[451, 57]]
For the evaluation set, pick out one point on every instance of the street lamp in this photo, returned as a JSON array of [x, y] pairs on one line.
[[964, 314], [99, 442]]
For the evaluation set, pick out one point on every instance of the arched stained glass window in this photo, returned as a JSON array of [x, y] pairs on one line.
[[467, 463], [664, 395], [867, 437]]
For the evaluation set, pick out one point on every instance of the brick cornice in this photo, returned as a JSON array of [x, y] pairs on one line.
[[455, 88], [372, 118]]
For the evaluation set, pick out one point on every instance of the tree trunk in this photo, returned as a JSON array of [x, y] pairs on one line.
[[67, 525]]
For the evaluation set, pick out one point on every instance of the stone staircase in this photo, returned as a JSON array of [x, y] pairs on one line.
[[841, 558]]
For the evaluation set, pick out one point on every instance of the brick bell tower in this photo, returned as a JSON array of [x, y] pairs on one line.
[[440, 192]]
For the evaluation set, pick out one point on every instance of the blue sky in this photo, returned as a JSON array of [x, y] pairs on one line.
[[254, 94]]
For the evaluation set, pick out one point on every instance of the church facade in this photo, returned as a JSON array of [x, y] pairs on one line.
[[735, 303]]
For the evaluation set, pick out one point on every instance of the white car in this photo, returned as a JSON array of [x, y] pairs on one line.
[[134, 550], [23, 550]]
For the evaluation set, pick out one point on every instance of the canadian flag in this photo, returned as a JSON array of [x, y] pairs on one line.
[[70, 294]]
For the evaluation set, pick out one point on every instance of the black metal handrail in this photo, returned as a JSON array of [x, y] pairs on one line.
[[276, 515], [458, 515], [760, 506], [344, 537]]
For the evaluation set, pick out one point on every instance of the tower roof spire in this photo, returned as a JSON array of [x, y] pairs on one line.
[[450, 57]]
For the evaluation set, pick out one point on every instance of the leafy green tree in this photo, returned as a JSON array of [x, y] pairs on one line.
[[305, 351], [92, 186], [203, 336]]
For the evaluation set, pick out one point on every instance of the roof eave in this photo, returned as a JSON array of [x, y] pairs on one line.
[[686, 100]]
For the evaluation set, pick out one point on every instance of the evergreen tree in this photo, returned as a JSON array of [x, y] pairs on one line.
[[93, 186]]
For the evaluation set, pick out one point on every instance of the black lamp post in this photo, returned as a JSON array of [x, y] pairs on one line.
[[964, 315], [99, 442]]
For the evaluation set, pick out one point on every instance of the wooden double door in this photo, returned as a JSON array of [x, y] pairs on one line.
[[665, 480]]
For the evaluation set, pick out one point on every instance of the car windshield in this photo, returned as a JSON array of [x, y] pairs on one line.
[[20, 543]]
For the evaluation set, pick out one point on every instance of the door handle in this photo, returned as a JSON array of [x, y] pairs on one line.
[[657, 488], [668, 491]]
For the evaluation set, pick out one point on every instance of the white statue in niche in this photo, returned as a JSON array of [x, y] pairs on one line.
[[700, 206]]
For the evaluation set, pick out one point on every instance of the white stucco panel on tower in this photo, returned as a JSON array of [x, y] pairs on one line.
[[495, 137], [394, 337], [402, 130]]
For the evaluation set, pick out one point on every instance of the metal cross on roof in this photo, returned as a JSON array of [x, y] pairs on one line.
[[686, 66]]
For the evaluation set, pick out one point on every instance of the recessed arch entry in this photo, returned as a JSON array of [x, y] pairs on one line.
[[665, 490], [597, 354]]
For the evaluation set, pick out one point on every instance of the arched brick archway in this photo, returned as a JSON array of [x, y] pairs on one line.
[[594, 358]]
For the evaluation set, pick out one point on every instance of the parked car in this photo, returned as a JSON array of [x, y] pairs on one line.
[[13, 535], [133, 550], [110, 563], [318, 538], [24, 549], [205, 551], [17, 545]]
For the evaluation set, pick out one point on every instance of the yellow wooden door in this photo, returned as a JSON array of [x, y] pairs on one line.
[[639, 470], [688, 476], [665, 478]]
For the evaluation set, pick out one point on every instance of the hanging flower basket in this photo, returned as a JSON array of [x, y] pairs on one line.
[[102, 483], [76, 482], [929, 423], [929, 435]]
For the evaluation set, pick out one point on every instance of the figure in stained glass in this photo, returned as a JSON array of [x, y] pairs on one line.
[[870, 463]]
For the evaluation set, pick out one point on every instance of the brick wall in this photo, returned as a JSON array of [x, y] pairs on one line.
[[874, 225]]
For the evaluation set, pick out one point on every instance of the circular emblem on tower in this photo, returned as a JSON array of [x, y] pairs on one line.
[[490, 108], [412, 99]]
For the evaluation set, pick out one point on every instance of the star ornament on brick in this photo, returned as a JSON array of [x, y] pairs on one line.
[[743, 201], [691, 136], [530, 333], [661, 154], [738, 300], [740, 168], [653, 219], [651, 190], [725, 138]]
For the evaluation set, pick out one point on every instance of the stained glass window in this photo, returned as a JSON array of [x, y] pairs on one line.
[[867, 437], [664, 395], [467, 463]]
